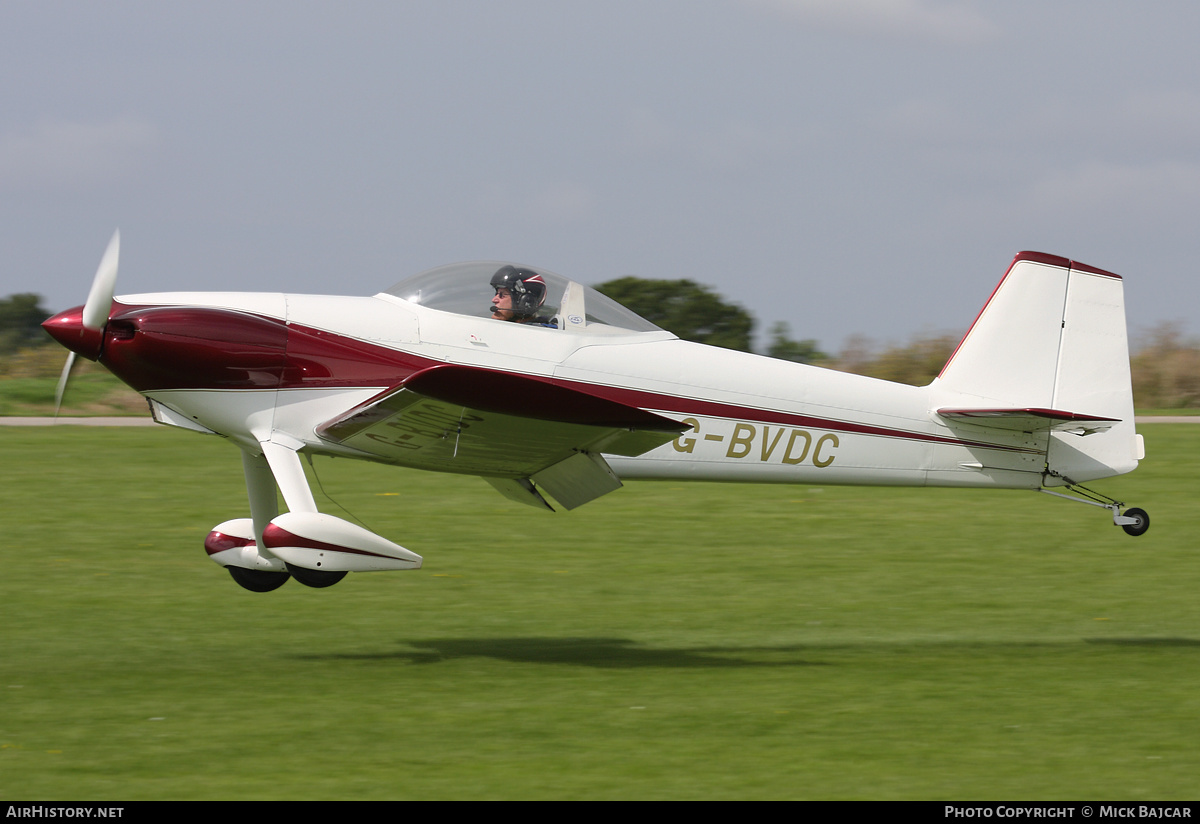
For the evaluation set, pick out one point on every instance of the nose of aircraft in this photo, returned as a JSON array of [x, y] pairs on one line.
[[67, 328]]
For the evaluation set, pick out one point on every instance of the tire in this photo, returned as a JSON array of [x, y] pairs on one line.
[[315, 578], [1143, 521], [258, 580]]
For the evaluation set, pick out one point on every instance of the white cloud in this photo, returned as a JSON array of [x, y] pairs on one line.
[[942, 20], [62, 153]]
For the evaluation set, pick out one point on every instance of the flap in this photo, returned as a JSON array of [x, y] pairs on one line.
[[520, 490], [578, 479]]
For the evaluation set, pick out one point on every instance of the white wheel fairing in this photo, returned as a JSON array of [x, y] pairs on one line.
[[314, 540], [232, 543]]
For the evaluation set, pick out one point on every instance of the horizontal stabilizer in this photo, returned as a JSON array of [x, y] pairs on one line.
[[1031, 420]]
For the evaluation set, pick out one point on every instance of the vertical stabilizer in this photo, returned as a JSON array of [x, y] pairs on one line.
[[1051, 343], [1009, 356]]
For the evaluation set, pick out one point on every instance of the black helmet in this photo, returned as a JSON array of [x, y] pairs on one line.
[[526, 286]]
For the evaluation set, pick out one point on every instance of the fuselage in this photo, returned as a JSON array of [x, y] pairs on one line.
[[253, 366], [545, 387]]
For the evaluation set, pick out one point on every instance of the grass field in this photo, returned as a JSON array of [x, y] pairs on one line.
[[94, 391], [666, 641]]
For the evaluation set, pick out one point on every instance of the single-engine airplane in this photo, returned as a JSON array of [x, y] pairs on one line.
[[547, 389]]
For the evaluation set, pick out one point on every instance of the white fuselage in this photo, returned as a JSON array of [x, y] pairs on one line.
[[754, 418]]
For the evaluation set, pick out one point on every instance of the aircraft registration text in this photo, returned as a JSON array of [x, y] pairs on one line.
[[779, 444]]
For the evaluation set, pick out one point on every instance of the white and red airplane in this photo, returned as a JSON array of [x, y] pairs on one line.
[[579, 393]]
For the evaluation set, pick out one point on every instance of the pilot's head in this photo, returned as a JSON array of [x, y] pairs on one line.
[[519, 293]]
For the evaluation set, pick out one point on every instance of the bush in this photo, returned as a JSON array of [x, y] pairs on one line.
[[1166, 369]]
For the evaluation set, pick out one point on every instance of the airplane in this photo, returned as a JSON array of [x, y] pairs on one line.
[[549, 390]]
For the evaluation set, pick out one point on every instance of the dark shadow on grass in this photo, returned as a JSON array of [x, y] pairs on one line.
[[608, 653], [1145, 642], [622, 653]]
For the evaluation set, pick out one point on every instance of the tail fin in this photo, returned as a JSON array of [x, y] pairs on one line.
[[1049, 352]]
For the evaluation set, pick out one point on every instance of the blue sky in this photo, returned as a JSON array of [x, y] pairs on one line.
[[846, 166]]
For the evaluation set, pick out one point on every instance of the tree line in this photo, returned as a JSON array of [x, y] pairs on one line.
[[1165, 363]]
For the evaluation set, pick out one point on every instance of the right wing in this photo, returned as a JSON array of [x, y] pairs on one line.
[[511, 429]]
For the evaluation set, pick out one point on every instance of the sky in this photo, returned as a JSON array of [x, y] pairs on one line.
[[846, 166]]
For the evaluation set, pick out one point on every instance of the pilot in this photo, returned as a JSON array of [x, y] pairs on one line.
[[519, 295]]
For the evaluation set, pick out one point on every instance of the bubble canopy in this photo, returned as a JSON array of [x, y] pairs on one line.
[[465, 289]]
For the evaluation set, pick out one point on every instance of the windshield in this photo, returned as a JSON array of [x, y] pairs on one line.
[[466, 289]]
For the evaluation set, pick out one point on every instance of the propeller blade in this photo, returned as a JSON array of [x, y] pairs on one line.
[[100, 298], [62, 383]]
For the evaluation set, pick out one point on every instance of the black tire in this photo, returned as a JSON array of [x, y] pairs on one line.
[[315, 578], [258, 580], [1143, 521]]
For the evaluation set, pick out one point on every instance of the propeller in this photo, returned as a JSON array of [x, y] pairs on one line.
[[95, 310], [61, 389], [100, 298]]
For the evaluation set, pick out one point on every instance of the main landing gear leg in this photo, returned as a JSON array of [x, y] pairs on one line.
[[284, 463], [1134, 521], [267, 549], [264, 505]]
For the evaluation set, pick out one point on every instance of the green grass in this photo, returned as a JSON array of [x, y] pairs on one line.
[[93, 391], [670, 640]]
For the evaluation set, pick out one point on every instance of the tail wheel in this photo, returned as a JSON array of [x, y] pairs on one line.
[[1143, 521], [258, 580], [315, 578]]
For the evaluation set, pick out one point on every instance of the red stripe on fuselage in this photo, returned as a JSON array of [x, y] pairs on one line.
[[179, 347], [714, 409]]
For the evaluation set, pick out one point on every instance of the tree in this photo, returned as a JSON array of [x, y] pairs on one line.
[[21, 319], [686, 308], [797, 351], [917, 363], [1166, 369]]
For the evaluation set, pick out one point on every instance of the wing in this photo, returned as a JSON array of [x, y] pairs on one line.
[[513, 430]]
